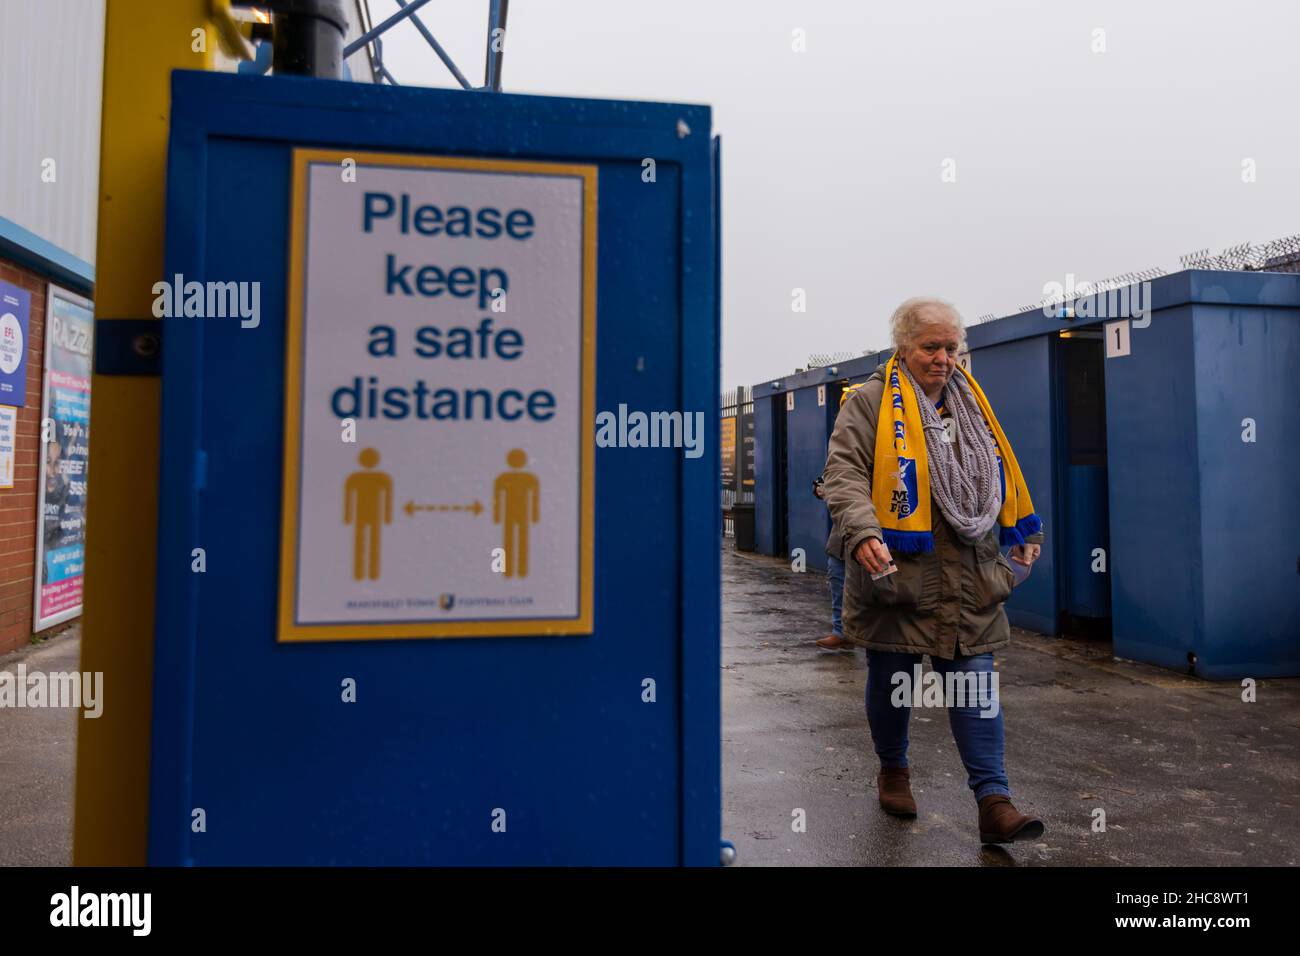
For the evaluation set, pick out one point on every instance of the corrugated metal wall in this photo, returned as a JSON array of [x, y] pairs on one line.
[[51, 74]]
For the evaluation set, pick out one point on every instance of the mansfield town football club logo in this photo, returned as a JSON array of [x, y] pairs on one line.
[[445, 601], [904, 492]]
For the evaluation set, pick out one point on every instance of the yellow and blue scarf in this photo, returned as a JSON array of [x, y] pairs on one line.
[[901, 487]]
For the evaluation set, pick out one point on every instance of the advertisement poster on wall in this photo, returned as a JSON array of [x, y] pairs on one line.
[[8, 444], [746, 451], [728, 439], [65, 435], [15, 303]]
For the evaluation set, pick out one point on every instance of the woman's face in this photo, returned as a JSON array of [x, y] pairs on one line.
[[932, 354], [52, 452]]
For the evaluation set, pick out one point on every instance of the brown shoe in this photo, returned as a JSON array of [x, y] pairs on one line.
[[896, 791], [832, 642], [1001, 822]]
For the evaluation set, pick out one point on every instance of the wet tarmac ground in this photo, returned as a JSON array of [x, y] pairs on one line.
[[1184, 771], [37, 758]]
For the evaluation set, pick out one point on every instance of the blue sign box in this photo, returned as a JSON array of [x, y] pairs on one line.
[[511, 750]]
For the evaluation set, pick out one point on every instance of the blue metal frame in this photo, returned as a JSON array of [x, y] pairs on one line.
[[408, 9], [430, 39], [218, 117], [30, 251], [497, 13]]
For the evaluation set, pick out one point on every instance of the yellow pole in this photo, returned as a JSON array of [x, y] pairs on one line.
[[143, 42]]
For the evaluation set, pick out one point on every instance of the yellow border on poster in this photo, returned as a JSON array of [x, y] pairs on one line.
[[289, 631]]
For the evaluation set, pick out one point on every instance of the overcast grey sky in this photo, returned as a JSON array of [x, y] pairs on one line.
[[1067, 160]]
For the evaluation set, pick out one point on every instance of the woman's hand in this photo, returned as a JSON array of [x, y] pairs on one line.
[[873, 555], [1025, 554]]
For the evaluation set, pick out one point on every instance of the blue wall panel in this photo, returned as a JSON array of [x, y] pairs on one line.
[[1154, 499], [1246, 360], [807, 431]]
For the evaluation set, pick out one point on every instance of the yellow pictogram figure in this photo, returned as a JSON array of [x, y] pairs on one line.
[[367, 502], [515, 502]]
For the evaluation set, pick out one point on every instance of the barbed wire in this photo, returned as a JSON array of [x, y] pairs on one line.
[[1276, 255], [1284, 251], [826, 359]]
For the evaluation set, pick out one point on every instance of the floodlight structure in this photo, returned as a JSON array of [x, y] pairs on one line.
[[308, 39], [498, 11]]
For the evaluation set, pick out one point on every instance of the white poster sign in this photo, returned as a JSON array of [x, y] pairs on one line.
[[439, 401], [8, 440]]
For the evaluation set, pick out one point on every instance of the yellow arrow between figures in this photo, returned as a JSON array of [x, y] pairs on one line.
[[411, 508]]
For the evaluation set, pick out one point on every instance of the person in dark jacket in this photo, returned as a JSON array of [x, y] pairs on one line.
[[835, 580], [835, 560]]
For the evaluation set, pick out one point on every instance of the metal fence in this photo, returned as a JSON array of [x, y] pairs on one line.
[[736, 408]]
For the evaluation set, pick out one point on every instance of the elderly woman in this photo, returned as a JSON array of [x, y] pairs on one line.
[[924, 487]]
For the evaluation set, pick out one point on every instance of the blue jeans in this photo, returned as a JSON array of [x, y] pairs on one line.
[[980, 739], [835, 575]]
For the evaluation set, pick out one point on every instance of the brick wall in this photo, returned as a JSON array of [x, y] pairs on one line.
[[18, 504]]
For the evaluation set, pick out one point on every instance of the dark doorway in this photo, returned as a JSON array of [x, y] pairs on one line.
[[1085, 578]]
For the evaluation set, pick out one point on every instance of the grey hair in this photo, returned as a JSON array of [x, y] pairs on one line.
[[906, 321]]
